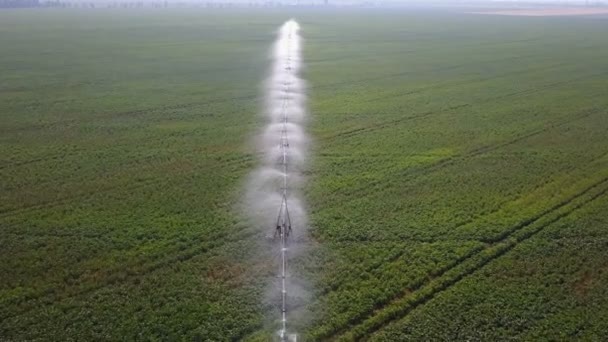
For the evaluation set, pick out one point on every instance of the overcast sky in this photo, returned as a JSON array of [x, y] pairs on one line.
[[348, 1]]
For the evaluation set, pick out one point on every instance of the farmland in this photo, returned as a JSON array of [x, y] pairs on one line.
[[456, 189]]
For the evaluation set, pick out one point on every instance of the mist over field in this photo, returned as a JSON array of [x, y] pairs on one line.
[[343, 171]]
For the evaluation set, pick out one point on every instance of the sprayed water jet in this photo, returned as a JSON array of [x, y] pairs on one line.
[[273, 190]]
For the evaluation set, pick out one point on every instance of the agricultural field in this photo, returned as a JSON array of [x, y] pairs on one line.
[[457, 186]]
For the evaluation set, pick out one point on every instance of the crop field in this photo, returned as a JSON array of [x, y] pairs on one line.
[[457, 187]]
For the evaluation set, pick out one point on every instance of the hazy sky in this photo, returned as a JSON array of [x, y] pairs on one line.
[[348, 1]]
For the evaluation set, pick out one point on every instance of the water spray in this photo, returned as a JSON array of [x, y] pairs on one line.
[[273, 200], [283, 225]]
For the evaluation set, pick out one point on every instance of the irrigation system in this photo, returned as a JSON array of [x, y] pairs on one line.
[[283, 224]]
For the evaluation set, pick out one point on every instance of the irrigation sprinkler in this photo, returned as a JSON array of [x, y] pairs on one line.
[[283, 226]]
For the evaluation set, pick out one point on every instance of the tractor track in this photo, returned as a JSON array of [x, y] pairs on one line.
[[363, 56], [355, 193], [336, 285], [466, 82], [120, 275], [393, 258], [373, 267], [137, 184], [371, 322], [184, 252], [391, 123], [129, 113], [424, 72]]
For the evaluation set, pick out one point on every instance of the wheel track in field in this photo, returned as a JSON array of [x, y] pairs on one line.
[[177, 253], [426, 71], [131, 162], [382, 125], [33, 161], [410, 73], [130, 113], [364, 40], [133, 185], [184, 251], [402, 305], [112, 115], [391, 123], [510, 240], [441, 163], [465, 82], [392, 259], [336, 285], [349, 57], [475, 152]]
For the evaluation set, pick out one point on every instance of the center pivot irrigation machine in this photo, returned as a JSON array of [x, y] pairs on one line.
[[283, 225]]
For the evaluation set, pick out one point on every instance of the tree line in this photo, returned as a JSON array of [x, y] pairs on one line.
[[19, 3]]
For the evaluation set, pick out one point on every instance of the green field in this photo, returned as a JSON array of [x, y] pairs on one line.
[[457, 188]]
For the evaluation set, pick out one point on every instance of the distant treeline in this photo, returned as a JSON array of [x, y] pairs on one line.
[[141, 4], [252, 3], [19, 3]]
